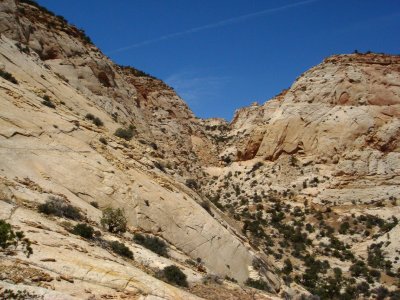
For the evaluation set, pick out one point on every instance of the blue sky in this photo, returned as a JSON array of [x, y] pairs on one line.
[[220, 55]]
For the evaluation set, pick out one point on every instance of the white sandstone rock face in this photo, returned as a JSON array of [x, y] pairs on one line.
[[58, 151], [330, 140], [311, 120]]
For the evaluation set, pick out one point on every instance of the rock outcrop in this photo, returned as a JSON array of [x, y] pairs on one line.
[[229, 199], [57, 139], [329, 145]]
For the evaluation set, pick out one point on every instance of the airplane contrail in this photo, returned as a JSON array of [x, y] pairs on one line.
[[212, 25]]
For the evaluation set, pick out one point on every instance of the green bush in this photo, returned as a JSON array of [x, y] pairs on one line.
[[152, 243], [90, 116], [23, 49], [358, 269], [344, 227], [231, 279], [191, 183], [94, 204], [114, 220], [136, 72], [11, 240], [96, 120], [174, 275], [103, 140], [8, 76], [58, 207], [84, 230], [206, 206], [255, 167], [376, 258], [125, 133], [18, 295], [121, 249], [47, 102], [288, 268], [258, 284], [34, 3]]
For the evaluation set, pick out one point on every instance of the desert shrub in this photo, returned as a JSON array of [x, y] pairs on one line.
[[375, 273], [18, 295], [375, 256], [121, 249], [94, 204], [211, 278], [254, 227], [125, 133], [104, 80], [174, 275], [256, 166], [159, 166], [103, 140], [288, 268], [363, 288], [58, 207], [215, 199], [381, 293], [86, 39], [191, 183], [190, 262], [206, 206], [10, 240], [231, 279], [258, 284], [84, 230], [344, 227], [137, 72], [89, 116], [96, 120], [309, 227], [114, 220], [34, 3], [358, 269], [152, 243], [47, 102], [8, 76], [23, 49]]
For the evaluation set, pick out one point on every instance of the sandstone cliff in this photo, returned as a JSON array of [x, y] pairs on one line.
[[235, 200], [51, 146], [322, 153]]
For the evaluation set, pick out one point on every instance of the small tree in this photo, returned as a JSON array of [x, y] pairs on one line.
[[288, 268], [191, 183], [84, 230], [152, 243], [114, 220], [258, 284], [94, 204], [8, 76], [121, 249], [344, 227], [125, 133], [11, 240], [174, 275], [60, 208]]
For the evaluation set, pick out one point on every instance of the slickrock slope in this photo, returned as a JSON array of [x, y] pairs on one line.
[[295, 193], [57, 125]]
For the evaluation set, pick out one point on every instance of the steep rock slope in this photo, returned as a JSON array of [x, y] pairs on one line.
[[56, 139], [342, 114], [324, 152], [307, 182]]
